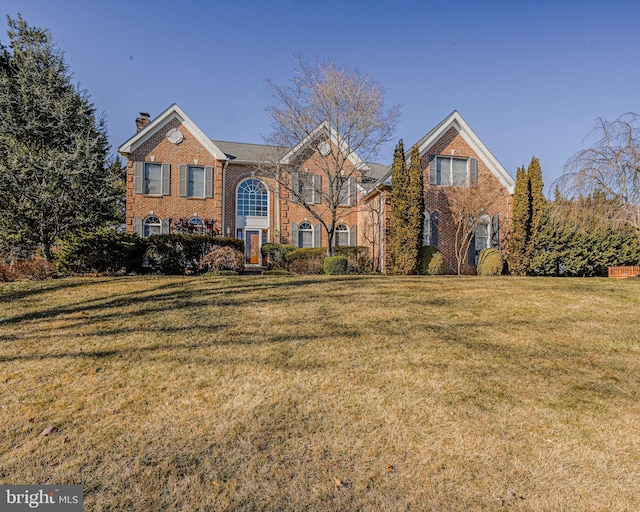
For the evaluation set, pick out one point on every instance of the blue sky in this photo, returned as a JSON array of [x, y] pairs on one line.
[[530, 77]]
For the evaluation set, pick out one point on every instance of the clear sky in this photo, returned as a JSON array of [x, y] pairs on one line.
[[530, 77]]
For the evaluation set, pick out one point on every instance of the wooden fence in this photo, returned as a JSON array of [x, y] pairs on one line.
[[624, 272]]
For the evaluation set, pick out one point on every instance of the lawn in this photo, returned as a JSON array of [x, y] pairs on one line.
[[324, 393]]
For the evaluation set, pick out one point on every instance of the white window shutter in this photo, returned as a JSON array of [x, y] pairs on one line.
[[165, 226], [295, 186], [183, 180], [353, 239], [317, 188], [352, 192], [473, 172], [208, 182], [138, 178], [317, 235], [433, 177], [166, 179], [295, 240], [137, 225]]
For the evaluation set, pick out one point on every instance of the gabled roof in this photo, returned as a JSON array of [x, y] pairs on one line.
[[173, 112], [455, 120], [326, 129]]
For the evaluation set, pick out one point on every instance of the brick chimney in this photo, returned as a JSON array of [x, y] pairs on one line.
[[142, 121]]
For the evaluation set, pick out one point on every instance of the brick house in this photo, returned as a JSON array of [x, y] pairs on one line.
[[180, 180]]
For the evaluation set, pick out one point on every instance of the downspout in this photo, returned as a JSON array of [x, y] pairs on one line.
[[224, 193]]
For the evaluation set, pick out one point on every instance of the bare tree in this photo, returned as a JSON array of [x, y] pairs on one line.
[[335, 121], [470, 207], [611, 166]]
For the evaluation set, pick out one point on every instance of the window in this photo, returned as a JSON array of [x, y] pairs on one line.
[[341, 235], [449, 171], [151, 226], [305, 235], [195, 181], [252, 198], [426, 236], [305, 187], [153, 179], [347, 188]]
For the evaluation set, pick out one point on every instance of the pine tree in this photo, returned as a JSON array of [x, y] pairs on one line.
[[54, 178], [521, 224], [537, 207], [415, 198]]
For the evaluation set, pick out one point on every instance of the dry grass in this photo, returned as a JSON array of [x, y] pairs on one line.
[[320, 393]]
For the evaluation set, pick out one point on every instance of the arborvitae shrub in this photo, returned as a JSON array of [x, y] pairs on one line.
[[103, 250], [490, 263], [431, 261], [222, 259], [335, 265], [306, 261], [276, 255]]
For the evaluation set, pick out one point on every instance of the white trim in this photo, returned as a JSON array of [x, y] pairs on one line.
[[325, 128], [171, 113]]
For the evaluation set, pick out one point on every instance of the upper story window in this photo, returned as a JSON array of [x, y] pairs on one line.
[[451, 171], [347, 191], [252, 198], [195, 181], [153, 179]]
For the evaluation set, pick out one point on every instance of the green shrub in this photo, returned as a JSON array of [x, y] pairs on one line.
[[276, 255], [357, 257], [431, 261], [104, 250], [490, 263], [306, 261], [335, 265], [218, 273], [182, 254], [276, 272]]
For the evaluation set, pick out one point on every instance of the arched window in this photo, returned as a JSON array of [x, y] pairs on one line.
[[305, 235], [196, 222], [426, 236], [152, 225], [252, 198], [341, 235]]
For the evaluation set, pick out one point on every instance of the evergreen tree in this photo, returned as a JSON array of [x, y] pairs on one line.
[[415, 199], [54, 178], [537, 206], [521, 224], [403, 257]]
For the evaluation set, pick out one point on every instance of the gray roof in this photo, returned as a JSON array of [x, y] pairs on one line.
[[252, 153], [243, 152]]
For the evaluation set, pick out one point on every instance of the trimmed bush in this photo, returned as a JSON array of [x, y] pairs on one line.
[[276, 255], [306, 261], [335, 265], [276, 272], [490, 263], [36, 269], [431, 261], [181, 254], [103, 250], [218, 273], [357, 257], [222, 259]]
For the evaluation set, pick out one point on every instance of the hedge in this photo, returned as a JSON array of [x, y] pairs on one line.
[[335, 265], [181, 254], [276, 255], [431, 261], [490, 263]]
